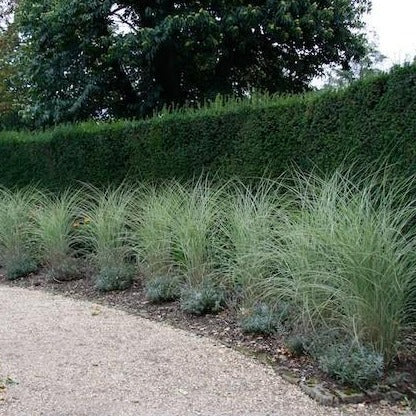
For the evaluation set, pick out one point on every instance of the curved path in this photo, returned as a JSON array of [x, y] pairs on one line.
[[62, 357]]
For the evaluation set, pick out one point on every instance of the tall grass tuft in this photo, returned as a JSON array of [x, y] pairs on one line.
[[57, 222], [108, 233], [16, 232], [347, 257], [251, 215], [195, 225], [156, 213]]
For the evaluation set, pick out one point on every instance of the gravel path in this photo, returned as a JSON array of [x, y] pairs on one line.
[[69, 358]]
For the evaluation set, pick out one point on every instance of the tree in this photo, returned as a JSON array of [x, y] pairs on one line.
[[369, 65], [83, 58], [6, 13], [8, 43]]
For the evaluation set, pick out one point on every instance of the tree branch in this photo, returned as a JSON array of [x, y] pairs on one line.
[[126, 22]]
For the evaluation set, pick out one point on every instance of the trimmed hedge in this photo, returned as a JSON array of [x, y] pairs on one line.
[[374, 119]]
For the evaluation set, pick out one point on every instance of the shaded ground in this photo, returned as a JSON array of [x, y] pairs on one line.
[[61, 356]]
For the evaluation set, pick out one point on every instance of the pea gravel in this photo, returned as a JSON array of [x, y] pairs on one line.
[[63, 357]]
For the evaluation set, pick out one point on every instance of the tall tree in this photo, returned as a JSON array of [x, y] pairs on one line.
[[8, 43], [6, 13], [82, 58], [369, 65]]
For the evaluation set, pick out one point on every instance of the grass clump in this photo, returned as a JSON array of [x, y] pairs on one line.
[[108, 232], [156, 215], [56, 234], [176, 230], [199, 300], [16, 232], [354, 365], [163, 289], [347, 257], [194, 232], [249, 232]]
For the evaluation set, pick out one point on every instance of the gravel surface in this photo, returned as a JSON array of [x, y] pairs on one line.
[[62, 357]]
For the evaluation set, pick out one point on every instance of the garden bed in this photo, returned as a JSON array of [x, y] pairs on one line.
[[399, 384], [324, 266]]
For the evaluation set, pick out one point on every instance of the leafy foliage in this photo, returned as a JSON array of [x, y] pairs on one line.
[[163, 289], [19, 265], [10, 92], [262, 319], [296, 345], [369, 65], [114, 277], [371, 120], [100, 58], [354, 365], [205, 298], [7, 8]]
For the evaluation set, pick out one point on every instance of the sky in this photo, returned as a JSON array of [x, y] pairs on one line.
[[394, 22]]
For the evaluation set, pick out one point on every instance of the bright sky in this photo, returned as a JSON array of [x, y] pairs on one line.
[[394, 22]]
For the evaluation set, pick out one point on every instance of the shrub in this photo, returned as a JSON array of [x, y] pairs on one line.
[[19, 266], [16, 232], [56, 234], [206, 298], [372, 119], [108, 232], [163, 289], [262, 319], [353, 365], [114, 277], [296, 345]]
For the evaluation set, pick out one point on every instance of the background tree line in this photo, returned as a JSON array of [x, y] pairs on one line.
[[70, 60]]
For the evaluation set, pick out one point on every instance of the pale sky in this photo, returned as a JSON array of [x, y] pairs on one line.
[[394, 22]]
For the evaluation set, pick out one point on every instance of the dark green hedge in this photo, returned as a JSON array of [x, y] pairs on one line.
[[374, 119]]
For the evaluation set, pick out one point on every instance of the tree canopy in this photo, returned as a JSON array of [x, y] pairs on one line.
[[83, 58], [8, 43]]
